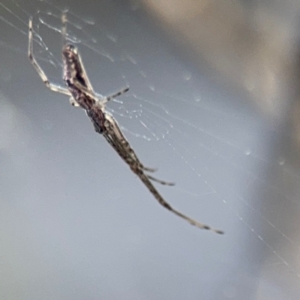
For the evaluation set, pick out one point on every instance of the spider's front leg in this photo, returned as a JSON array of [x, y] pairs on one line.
[[53, 87]]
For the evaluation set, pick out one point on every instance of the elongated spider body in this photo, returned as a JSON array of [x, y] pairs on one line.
[[81, 93]]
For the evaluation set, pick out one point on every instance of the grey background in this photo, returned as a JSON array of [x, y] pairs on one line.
[[75, 223]]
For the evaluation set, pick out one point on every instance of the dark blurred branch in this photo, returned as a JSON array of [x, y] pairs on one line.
[[249, 43]]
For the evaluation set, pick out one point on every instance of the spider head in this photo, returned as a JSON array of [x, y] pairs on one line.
[[71, 59], [73, 68], [70, 51]]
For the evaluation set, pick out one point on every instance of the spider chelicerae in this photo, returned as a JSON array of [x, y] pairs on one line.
[[82, 94]]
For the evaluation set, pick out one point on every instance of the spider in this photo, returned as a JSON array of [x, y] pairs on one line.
[[81, 93]]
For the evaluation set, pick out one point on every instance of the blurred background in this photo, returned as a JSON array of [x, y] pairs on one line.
[[213, 104]]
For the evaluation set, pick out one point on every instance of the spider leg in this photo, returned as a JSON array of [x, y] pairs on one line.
[[148, 169], [110, 97], [160, 181], [64, 27], [51, 86], [166, 205]]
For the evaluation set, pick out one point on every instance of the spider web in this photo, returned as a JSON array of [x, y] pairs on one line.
[[234, 169]]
